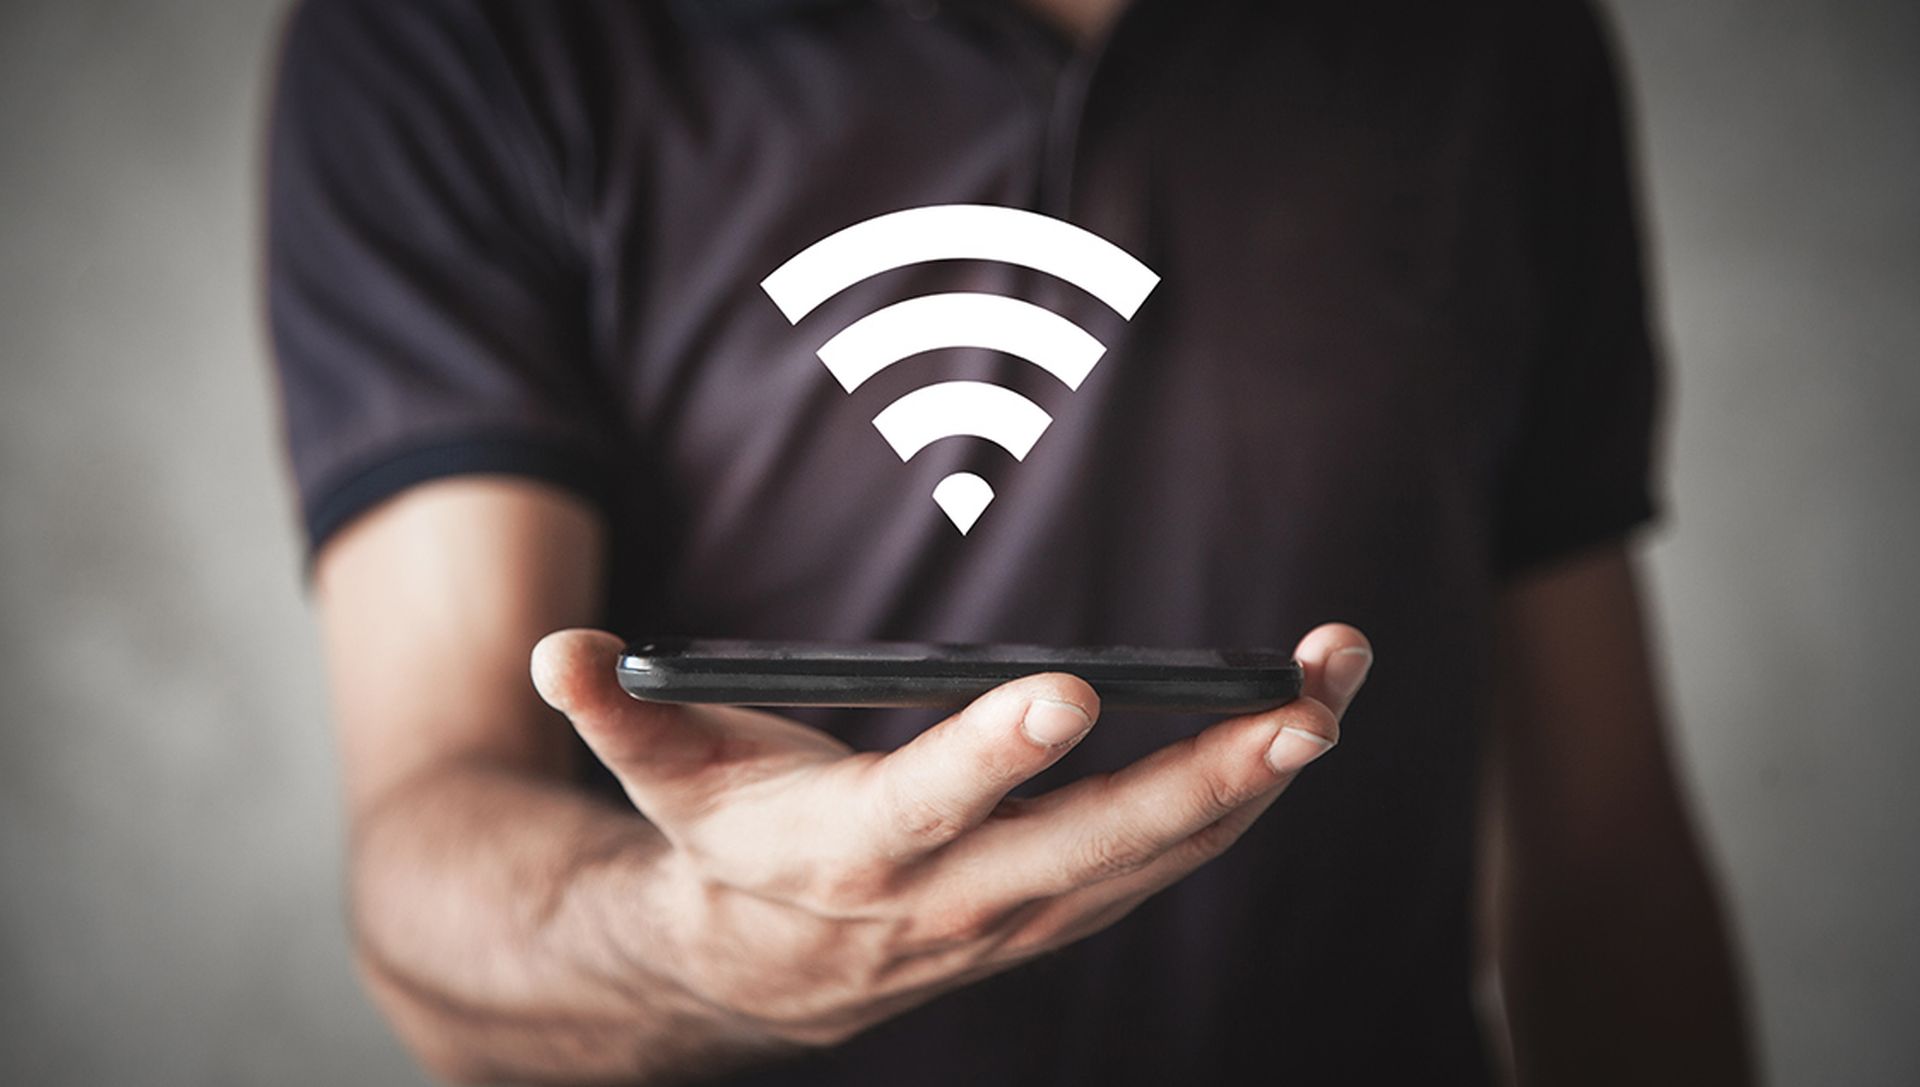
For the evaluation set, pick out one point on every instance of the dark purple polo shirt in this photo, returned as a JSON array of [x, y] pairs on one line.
[[1398, 352]]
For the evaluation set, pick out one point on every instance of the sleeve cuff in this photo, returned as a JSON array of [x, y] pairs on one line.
[[331, 507], [1543, 544]]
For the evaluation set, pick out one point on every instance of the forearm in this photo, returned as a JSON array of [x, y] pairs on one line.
[[1615, 962], [1614, 956], [494, 916]]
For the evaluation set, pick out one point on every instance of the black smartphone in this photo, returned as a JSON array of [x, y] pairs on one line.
[[762, 673]]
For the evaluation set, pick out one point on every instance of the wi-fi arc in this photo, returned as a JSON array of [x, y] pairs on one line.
[[933, 321], [936, 321]]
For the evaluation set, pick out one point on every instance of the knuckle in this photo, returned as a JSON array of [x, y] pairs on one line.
[[1217, 793], [1000, 763], [1105, 856], [981, 745], [928, 819]]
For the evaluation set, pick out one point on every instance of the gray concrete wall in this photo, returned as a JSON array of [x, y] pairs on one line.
[[169, 843], [1782, 143]]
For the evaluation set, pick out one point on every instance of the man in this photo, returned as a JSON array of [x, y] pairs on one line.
[[1397, 371]]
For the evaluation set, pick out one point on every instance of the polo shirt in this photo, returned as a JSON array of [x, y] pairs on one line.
[[1398, 354]]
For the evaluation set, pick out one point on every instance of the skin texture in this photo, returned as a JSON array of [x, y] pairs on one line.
[[769, 889], [781, 891]]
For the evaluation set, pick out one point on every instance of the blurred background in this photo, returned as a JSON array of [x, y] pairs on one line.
[[170, 849]]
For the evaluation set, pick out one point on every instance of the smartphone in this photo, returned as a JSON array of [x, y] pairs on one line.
[[764, 673]]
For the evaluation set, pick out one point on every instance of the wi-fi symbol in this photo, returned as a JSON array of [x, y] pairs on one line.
[[962, 319]]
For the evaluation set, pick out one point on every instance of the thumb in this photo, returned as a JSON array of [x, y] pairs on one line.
[[643, 743]]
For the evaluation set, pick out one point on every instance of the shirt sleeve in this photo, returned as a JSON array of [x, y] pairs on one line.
[[425, 289], [1578, 471]]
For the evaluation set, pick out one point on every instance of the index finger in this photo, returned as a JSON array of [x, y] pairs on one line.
[[946, 780], [1111, 825]]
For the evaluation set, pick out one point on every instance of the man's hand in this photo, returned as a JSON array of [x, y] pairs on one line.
[[808, 892], [781, 890]]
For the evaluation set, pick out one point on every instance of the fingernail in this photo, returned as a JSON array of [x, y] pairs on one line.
[[1347, 670], [1050, 722], [1296, 747]]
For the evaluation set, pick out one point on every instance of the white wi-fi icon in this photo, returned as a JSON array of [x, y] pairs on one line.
[[961, 319]]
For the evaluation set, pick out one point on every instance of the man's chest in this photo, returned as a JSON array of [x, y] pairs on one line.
[[1336, 334]]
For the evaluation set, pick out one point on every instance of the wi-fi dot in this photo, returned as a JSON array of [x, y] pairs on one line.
[[962, 319]]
